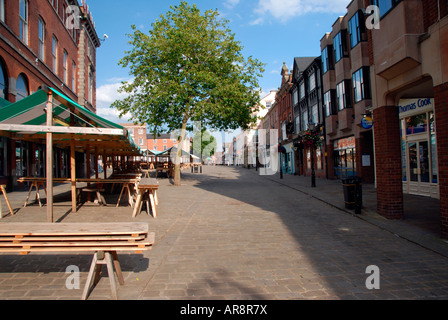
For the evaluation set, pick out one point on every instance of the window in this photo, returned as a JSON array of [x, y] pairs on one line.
[[340, 95], [74, 76], [2, 10], [295, 97], [355, 30], [361, 87], [41, 52], [140, 131], [91, 86], [315, 114], [140, 141], [297, 124], [305, 120], [312, 82], [385, 5], [3, 81], [54, 52], [302, 90], [65, 66], [327, 59], [327, 104], [23, 12], [22, 87], [339, 44]]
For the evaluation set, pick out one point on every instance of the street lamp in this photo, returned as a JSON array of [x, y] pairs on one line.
[[312, 127]]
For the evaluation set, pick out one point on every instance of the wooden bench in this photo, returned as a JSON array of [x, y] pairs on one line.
[[103, 239], [98, 192]]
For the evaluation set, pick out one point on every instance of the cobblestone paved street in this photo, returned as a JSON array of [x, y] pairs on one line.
[[229, 234]]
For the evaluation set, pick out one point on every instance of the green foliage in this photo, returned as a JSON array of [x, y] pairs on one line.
[[189, 68]]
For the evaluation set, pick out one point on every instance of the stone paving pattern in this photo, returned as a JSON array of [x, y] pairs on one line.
[[230, 234]]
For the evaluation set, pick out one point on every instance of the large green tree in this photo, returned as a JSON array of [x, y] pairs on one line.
[[189, 68]]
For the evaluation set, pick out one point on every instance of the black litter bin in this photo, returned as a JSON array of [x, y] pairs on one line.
[[349, 186], [353, 193]]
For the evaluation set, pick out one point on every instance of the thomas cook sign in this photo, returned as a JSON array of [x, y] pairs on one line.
[[367, 123]]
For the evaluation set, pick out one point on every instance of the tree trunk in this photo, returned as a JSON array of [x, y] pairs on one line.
[[181, 140]]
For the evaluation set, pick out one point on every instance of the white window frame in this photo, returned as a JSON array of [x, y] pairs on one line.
[[2, 10], [54, 52], [41, 37], [64, 66], [24, 21], [74, 76]]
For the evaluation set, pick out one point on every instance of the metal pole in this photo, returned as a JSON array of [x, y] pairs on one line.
[[313, 174]]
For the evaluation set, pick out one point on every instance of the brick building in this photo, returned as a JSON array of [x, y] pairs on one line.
[[283, 108], [138, 133], [347, 96], [409, 69], [307, 101], [51, 43], [160, 142]]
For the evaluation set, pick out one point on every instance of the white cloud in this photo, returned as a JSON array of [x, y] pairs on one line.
[[287, 9], [230, 4], [105, 96]]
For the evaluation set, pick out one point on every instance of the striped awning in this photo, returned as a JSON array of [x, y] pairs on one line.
[[27, 120]]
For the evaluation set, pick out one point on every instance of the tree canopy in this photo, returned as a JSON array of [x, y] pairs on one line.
[[189, 68]]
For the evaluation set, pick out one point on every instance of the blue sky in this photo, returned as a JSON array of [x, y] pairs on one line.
[[273, 31]]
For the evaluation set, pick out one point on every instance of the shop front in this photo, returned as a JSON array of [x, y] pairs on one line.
[[418, 147], [344, 153], [287, 159]]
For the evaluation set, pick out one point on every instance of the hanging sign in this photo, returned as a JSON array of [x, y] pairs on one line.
[[367, 123]]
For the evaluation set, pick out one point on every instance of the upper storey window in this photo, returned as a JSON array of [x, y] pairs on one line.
[[23, 12]]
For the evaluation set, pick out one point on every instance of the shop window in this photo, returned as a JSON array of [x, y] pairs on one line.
[[22, 87], [417, 124], [434, 166]]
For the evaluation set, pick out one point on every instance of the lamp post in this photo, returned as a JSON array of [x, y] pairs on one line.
[[312, 127]]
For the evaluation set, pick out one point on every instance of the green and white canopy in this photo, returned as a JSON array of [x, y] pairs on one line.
[[27, 120]]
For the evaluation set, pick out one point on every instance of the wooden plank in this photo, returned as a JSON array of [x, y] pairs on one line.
[[21, 238], [73, 244], [72, 249], [68, 229]]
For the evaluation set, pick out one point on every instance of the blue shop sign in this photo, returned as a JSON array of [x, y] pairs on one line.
[[367, 123]]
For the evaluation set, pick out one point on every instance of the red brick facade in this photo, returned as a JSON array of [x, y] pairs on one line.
[[441, 112], [388, 162], [19, 57]]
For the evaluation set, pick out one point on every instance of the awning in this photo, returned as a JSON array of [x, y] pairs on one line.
[[26, 120], [4, 103]]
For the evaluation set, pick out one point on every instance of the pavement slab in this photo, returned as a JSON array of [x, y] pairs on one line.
[[231, 234]]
